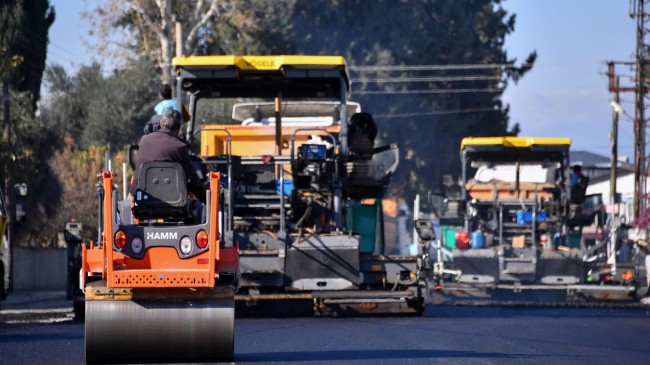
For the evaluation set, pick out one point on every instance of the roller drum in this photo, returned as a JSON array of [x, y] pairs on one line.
[[159, 331]]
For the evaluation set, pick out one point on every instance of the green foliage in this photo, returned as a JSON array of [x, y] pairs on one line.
[[59, 153], [26, 141], [99, 111], [260, 27], [11, 16], [429, 127], [105, 110], [419, 32], [25, 160], [23, 42]]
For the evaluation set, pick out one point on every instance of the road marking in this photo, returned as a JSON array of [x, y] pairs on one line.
[[68, 317], [35, 311], [36, 315]]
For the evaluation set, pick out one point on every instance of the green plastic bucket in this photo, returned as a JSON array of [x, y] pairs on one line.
[[449, 237], [362, 219], [573, 239]]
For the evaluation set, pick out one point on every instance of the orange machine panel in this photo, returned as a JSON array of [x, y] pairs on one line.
[[508, 191], [161, 266], [252, 140]]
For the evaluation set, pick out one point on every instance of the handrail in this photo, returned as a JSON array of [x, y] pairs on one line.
[[229, 221]]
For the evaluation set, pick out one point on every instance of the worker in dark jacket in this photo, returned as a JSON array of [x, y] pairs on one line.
[[164, 145]]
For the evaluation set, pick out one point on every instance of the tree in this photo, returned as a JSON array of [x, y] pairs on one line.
[[24, 39], [77, 170], [214, 26], [25, 160], [94, 109], [24, 147], [429, 124], [11, 15]]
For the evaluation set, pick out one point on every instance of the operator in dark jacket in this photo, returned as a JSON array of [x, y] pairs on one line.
[[164, 145]]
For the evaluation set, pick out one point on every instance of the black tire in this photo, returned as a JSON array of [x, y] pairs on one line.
[[4, 292], [79, 309]]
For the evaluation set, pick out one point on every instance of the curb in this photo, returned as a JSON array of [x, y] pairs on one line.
[[36, 299]]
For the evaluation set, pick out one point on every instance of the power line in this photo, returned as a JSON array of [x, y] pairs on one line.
[[428, 79], [439, 112], [436, 91], [475, 66]]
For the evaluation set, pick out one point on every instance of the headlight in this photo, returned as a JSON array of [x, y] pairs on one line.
[[136, 245], [186, 245]]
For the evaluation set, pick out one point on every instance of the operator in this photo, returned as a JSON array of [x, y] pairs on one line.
[[578, 184], [166, 103], [165, 146], [576, 176]]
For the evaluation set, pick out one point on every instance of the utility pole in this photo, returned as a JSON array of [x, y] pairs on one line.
[[614, 154], [616, 89], [637, 8]]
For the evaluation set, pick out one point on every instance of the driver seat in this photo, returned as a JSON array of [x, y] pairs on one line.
[[161, 192]]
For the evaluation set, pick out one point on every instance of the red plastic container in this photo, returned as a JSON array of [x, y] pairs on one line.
[[462, 240]]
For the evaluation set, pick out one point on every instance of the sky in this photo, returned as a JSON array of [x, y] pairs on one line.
[[564, 95]]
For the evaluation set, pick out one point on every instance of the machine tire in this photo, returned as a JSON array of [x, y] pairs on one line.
[[4, 292], [639, 291], [79, 309]]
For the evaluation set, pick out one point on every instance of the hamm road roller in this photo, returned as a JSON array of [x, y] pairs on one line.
[[159, 285]]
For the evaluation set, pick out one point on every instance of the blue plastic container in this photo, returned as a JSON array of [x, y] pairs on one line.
[[478, 240], [288, 187], [524, 217], [314, 152]]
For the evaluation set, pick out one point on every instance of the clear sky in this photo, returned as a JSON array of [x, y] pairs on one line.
[[564, 95]]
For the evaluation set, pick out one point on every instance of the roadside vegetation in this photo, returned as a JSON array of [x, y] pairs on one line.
[[56, 141]]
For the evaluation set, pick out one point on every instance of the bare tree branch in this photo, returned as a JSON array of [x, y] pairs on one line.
[[147, 19], [190, 40], [151, 24]]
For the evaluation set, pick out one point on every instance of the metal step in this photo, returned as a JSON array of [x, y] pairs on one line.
[[519, 267], [517, 259], [258, 196], [261, 205], [517, 233]]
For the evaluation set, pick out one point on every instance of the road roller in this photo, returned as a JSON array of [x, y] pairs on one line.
[[159, 284]]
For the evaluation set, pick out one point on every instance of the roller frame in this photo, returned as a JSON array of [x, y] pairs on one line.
[[161, 308]]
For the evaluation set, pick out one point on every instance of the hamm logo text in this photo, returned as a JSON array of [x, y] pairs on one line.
[[162, 235]]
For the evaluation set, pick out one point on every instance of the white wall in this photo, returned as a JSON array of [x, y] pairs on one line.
[[40, 268], [624, 186]]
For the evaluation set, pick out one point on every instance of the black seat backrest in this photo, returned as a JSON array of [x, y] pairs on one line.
[[161, 191], [361, 136]]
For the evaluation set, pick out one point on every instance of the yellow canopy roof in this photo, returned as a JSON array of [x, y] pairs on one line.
[[260, 63], [514, 142], [302, 77]]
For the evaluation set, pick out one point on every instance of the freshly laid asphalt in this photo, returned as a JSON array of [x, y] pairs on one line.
[[37, 328]]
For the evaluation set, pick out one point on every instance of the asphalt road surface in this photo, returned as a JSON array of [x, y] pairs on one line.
[[445, 335]]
